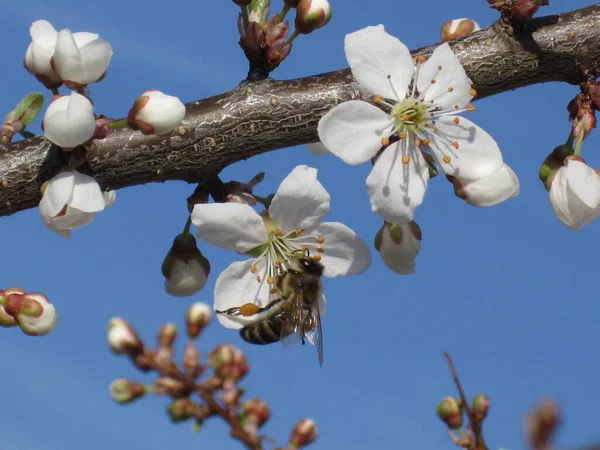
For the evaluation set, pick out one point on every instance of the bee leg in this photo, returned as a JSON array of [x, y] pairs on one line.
[[249, 309]]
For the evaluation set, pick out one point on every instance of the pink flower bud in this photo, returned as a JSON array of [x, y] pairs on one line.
[[191, 360], [122, 338], [450, 412], [452, 29], [167, 334], [156, 113], [124, 391], [197, 317], [181, 409], [255, 413], [305, 432], [33, 312], [481, 406], [312, 15], [228, 362]]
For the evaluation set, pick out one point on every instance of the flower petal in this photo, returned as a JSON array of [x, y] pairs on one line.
[[236, 286], [67, 58], [380, 63], [400, 256], [229, 225], [353, 130], [301, 201], [493, 189], [186, 278], [58, 193], [73, 218], [345, 252], [87, 195], [397, 189], [451, 88], [584, 182], [317, 148], [477, 155], [95, 58]]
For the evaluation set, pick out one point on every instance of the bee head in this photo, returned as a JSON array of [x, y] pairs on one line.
[[307, 265]]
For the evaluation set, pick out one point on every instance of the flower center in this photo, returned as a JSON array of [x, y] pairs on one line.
[[411, 116]]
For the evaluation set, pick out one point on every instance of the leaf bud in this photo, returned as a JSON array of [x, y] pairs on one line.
[[452, 29], [481, 406], [124, 391], [305, 432], [197, 317], [450, 411], [312, 15]]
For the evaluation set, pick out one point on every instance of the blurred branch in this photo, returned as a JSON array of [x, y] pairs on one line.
[[257, 117]]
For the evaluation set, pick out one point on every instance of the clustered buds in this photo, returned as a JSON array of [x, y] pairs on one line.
[[452, 29], [399, 246], [305, 432], [265, 42], [219, 394], [185, 268], [32, 312]]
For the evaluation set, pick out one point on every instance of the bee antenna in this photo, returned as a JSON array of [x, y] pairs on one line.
[[308, 252]]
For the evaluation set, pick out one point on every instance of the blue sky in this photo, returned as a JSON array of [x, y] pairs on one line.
[[508, 290]]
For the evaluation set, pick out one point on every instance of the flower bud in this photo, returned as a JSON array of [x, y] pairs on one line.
[[542, 423], [228, 362], [191, 360], [197, 317], [251, 38], [276, 30], [122, 338], [33, 312], [171, 387], [6, 320], [481, 406], [167, 334], [156, 113], [305, 432], [277, 52], [312, 15], [124, 391], [489, 190], [399, 246], [69, 120], [185, 268], [181, 409], [452, 29], [450, 412], [255, 413], [583, 115]]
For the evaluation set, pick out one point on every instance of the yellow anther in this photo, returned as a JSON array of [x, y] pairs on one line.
[[273, 291], [402, 134], [455, 145], [450, 89], [405, 159], [317, 257], [446, 159], [253, 269], [472, 92], [270, 280], [377, 98], [299, 231], [456, 120], [439, 67], [249, 309], [278, 261], [433, 81], [405, 117], [258, 278], [320, 249], [320, 239], [277, 233], [385, 142], [426, 141], [421, 58], [471, 108], [304, 248]]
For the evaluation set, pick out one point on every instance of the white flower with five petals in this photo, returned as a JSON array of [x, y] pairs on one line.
[[575, 193], [422, 101], [292, 222], [70, 201]]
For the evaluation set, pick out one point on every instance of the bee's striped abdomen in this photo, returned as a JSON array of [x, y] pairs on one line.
[[265, 330]]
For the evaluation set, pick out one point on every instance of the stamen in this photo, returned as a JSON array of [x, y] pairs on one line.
[[426, 141], [456, 120], [455, 145], [471, 108], [258, 278], [446, 159], [317, 257], [278, 261], [299, 231], [456, 107], [304, 248], [450, 89], [439, 67], [378, 99], [273, 291], [472, 92], [320, 249], [253, 269], [385, 142], [433, 81], [402, 134], [405, 159], [421, 58], [405, 117], [270, 280], [277, 233], [320, 239]]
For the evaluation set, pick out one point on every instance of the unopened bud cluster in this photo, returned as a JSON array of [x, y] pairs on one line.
[[265, 39], [32, 311], [452, 411]]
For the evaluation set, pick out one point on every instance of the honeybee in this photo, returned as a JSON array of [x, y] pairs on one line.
[[295, 314]]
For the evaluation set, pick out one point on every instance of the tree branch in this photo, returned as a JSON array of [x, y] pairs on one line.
[[257, 117]]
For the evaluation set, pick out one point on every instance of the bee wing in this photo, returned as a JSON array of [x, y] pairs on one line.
[[315, 337], [292, 330]]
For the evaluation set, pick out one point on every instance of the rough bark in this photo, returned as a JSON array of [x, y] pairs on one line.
[[257, 117]]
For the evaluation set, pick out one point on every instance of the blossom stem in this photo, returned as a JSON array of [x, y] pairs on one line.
[[294, 35], [578, 144], [265, 201], [55, 92], [283, 12], [188, 224], [245, 17], [122, 123]]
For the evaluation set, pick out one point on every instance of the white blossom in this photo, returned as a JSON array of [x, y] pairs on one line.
[[489, 190], [156, 113], [69, 120]]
